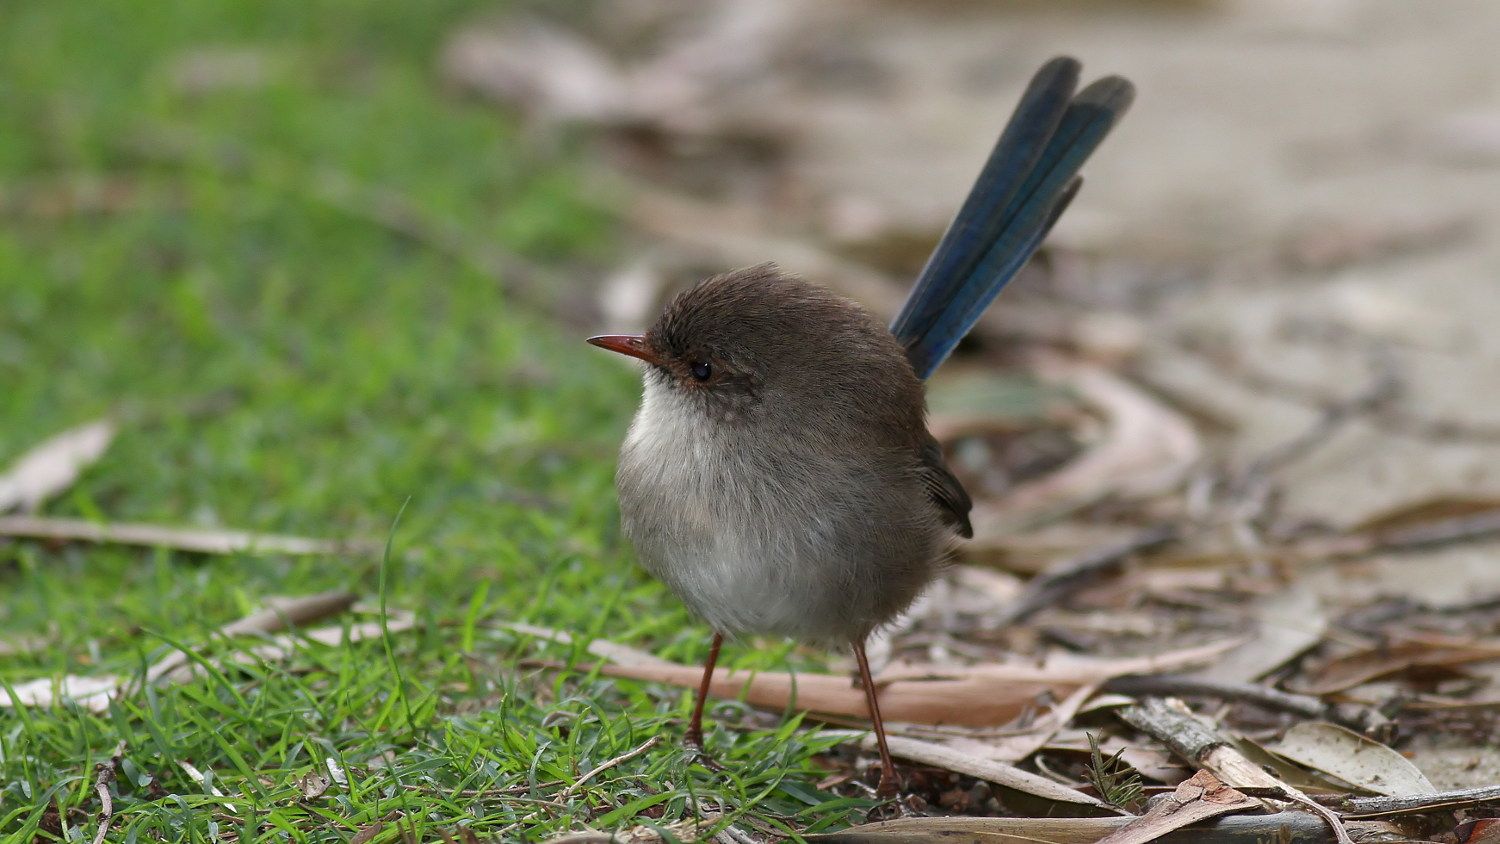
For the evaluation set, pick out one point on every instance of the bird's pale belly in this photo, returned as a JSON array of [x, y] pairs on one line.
[[783, 557]]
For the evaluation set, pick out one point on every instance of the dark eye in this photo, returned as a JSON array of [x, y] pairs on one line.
[[701, 370]]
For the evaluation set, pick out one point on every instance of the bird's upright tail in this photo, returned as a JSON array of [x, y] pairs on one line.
[[1029, 178]]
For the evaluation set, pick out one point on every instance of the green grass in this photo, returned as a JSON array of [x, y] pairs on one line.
[[280, 364]]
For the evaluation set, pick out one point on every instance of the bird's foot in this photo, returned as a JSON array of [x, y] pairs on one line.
[[694, 745], [891, 806]]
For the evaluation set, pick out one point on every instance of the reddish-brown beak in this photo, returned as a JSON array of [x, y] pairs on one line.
[[627, 344]]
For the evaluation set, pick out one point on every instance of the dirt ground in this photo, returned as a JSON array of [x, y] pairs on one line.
[[1300, 213], [1304, 194]]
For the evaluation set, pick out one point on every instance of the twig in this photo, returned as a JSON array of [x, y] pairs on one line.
[[104, 774], [1380, 807], [202, 541], [1063, 580], [1174, 685], [197, 776], [1441, 532], [1173, 724], [278, 614], [1252, 486], [623, 757]]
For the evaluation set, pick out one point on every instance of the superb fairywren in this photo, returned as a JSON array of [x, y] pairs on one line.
[[779, 475]]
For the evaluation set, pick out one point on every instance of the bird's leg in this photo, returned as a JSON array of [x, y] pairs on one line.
[[694, 737], [888, 786]]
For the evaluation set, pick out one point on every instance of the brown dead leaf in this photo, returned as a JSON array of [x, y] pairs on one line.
[[1000, 773], [1427, 651], [975, 696], [312, 786], [1327, 245], [53, 465], [548, 71], [1425, 512], [1287, 623], [1200, 798]]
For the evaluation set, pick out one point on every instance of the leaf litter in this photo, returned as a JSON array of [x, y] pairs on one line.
[[1132, 521], [1134, 455]]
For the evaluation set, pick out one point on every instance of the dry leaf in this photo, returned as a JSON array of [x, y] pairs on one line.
[[1425, 512], [53, 465], [1351, 757], [1287, 623], [989, 770], [1414, 652], [1147, 449], [541, 67], [195, 540], [1199, 798], [603, 648]]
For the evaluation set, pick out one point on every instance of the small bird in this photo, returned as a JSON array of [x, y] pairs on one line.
[[779, 476]]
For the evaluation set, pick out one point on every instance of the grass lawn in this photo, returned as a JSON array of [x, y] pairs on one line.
[[279, 364]]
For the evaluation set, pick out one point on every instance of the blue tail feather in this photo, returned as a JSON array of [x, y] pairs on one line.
[[1025, 185]]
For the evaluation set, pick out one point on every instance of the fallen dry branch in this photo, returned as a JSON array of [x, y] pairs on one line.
[[94, 693], [1383, 388], [194, 540], [1415, 804], [623, 757], [278, 614], [1055, 584], [976, 696], [1171, 685], [1173, 724], [1199, 798], [104, 774], [603, 648], [53, 465], [1434, 534], [1281, 827]]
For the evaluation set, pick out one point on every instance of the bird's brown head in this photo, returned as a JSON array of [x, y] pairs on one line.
[[739, 339]]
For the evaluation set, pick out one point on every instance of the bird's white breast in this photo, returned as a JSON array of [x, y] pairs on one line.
[[743, 527]]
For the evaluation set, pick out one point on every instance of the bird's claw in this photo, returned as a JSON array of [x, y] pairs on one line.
[[694, 745]]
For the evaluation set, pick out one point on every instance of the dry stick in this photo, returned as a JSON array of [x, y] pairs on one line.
[[203, 541], [1174, 725], [1432, 534], [1381, 807], [623, 757], [1061, 581], [277, 615], [1139, 685], [1253, 485], [104, 774]]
